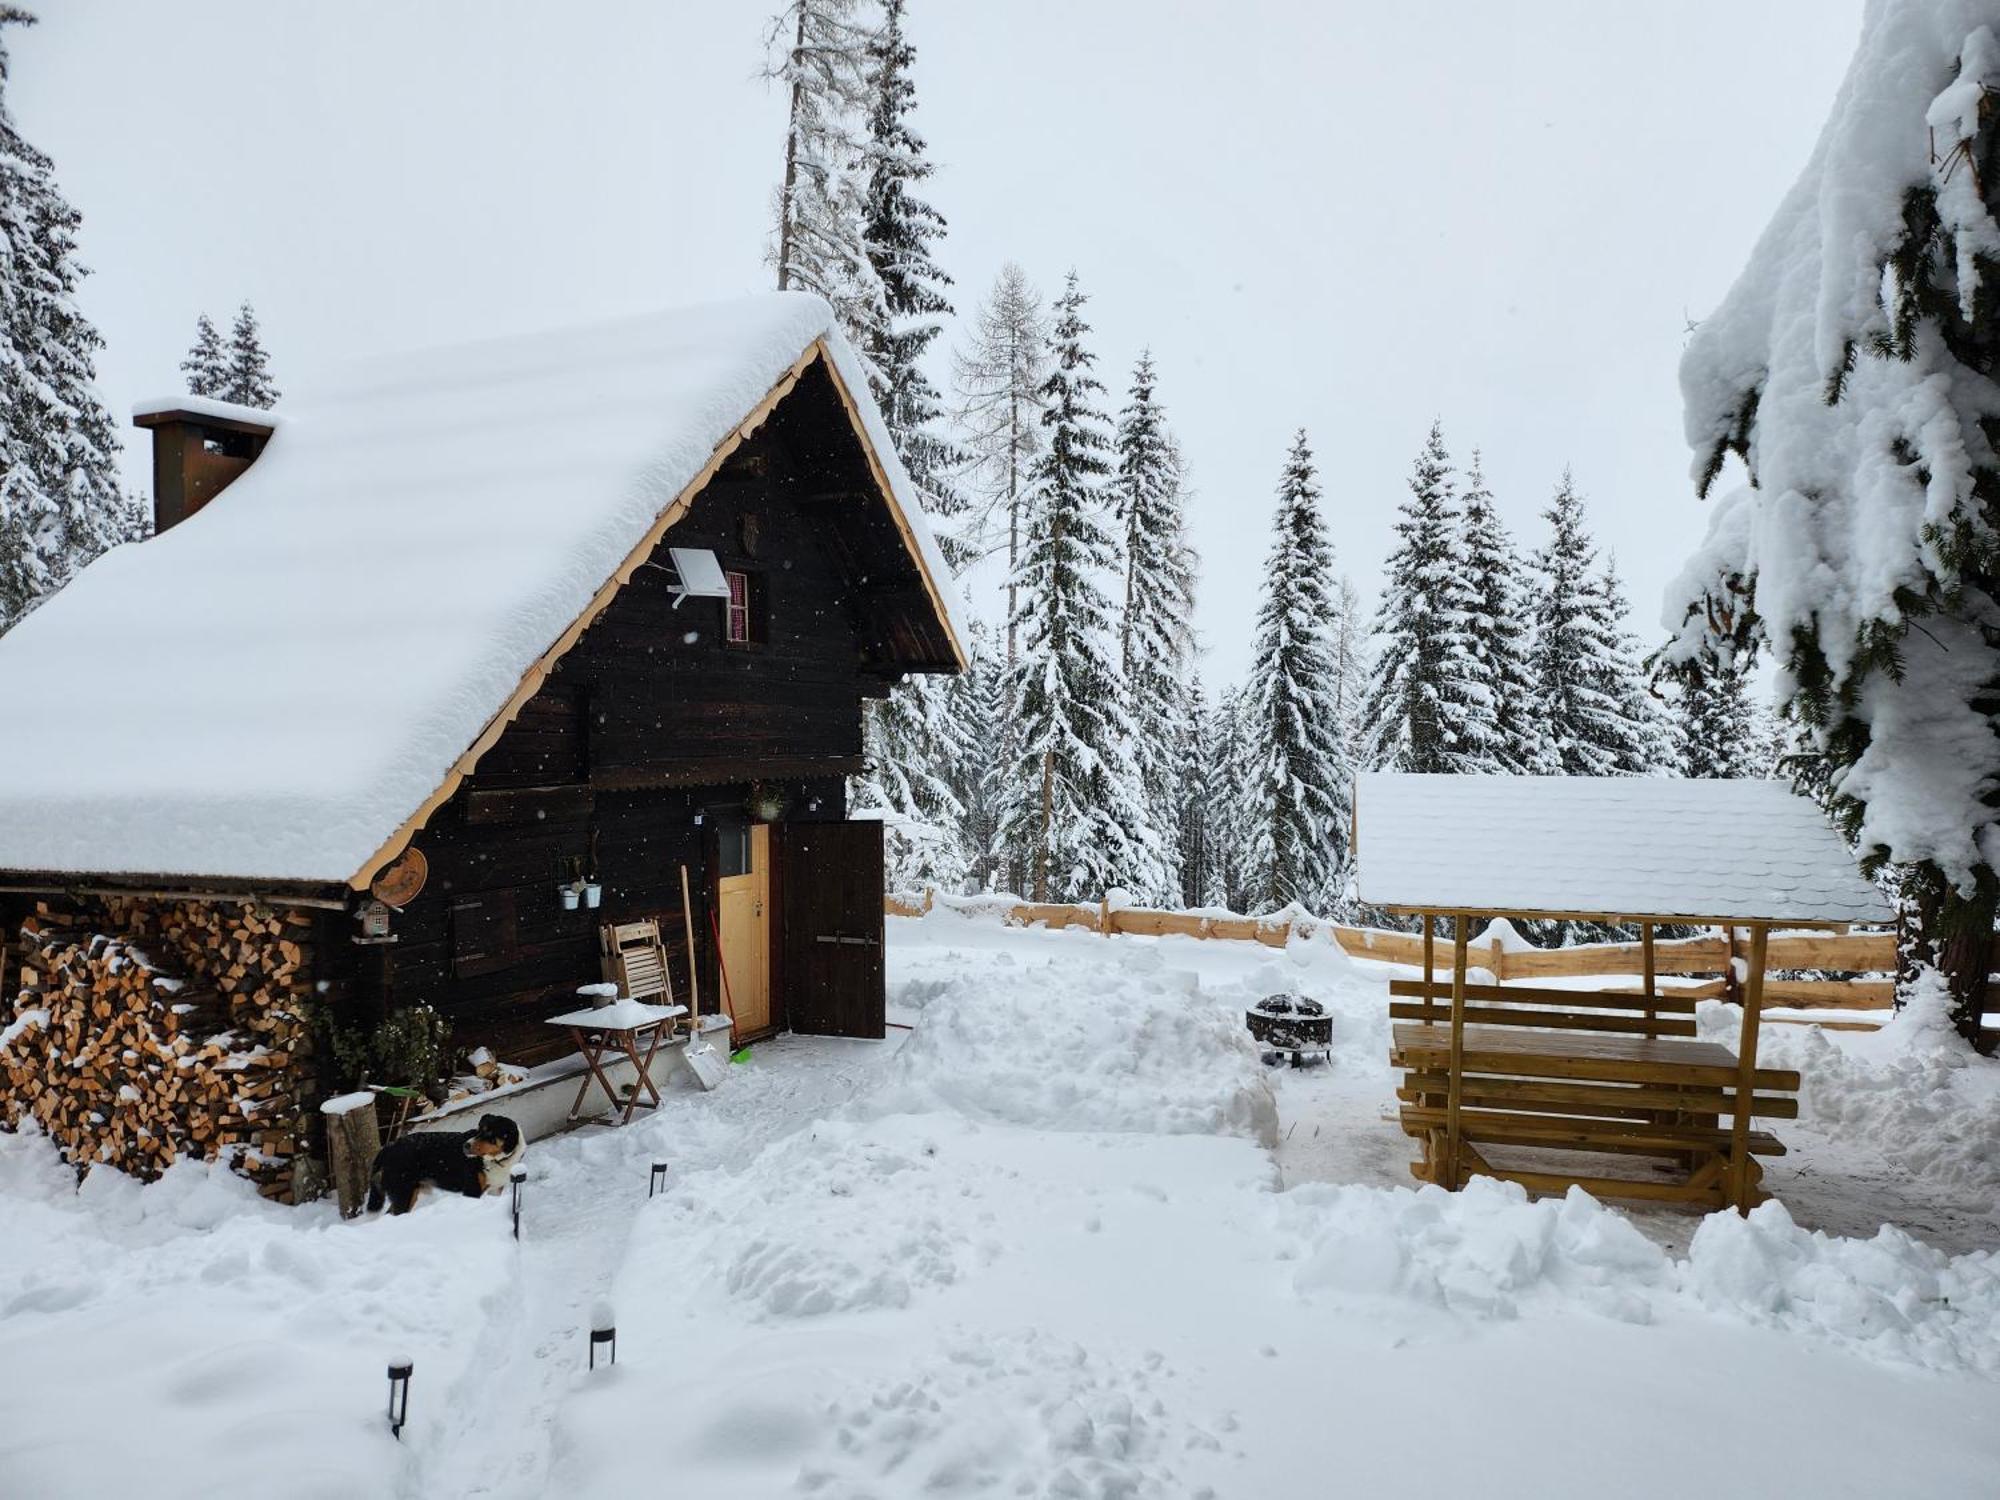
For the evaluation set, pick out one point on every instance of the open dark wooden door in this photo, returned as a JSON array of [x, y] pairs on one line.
[[833, 928]]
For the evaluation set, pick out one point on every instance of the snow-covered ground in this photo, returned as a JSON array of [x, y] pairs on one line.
[[1067, 1237]]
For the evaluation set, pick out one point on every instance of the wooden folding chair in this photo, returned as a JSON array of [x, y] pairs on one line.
[[635, 960]]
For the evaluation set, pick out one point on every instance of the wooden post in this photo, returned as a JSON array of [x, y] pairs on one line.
[[1430, 927], [694, 969], [352, 1139], [1652, 985], [1457, 1076], [1746, 1073]]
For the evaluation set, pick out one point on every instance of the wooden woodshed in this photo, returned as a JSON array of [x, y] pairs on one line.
[[1614, 1090]]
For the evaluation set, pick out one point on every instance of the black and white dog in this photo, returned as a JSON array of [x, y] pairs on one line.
[[470, 1162]]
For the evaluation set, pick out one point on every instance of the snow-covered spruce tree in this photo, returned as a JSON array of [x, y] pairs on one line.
[[1226, 776], [60, 503], [1853, 369], [1583, 724], [1348, 638], [207, 365], [899, 230], [976, 701], [916, 735], [1499, 627], [998, 378], [249, 380], [818, 50], [1716, 728], [1155, 630], [1194, 797], [1071, 809], [1301, 787], [915, 744], [1432, 707], [1643, 741]]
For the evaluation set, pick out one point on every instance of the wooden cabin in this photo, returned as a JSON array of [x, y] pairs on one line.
[[415, 663], [1614, 1090]]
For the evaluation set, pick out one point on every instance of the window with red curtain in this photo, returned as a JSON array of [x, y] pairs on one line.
[[737, 615]]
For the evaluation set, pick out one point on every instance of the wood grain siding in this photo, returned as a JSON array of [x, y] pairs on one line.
[[648, 720]]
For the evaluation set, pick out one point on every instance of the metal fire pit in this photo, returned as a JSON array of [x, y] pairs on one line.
[[1291, 1025]]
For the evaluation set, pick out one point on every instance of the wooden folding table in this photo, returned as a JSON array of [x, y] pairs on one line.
[[612, 1030]]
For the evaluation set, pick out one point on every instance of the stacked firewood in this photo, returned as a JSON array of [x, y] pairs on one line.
[[141, 1031]]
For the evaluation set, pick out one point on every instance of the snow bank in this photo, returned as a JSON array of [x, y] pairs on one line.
[[1890, 1297], [1911, 1093], [1122, 1043], [218, 1335]]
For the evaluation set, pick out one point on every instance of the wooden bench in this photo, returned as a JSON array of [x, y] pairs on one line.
[[1618, 1075]]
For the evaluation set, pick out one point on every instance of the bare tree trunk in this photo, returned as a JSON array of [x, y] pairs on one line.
[[1941, 926], [1048, 822], [785, 194], [1013, 497]]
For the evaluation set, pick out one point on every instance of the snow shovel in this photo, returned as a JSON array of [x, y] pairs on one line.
[[705, 1063]]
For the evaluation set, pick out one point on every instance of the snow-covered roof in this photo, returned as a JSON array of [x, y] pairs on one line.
[[1638, 846], [272, 689]]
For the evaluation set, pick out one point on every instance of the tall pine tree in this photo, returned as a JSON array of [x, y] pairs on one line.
[[1227, 773], [1716, 726], [1643, 743], [899, 230], [207, 365], [998, 377], [1194, 795], [249, 380], [1433, 704], [1500, 636], [916, 735], [1155, 633], [1300, 782], [60, 502], [818, 50], [1071, 810], [1581, 712]]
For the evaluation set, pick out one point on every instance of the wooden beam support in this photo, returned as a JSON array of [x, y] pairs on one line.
[[1652, 990], [1457, 1075], [1746, 1071]]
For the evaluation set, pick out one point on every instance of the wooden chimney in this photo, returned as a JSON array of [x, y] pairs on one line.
[[196, 455]]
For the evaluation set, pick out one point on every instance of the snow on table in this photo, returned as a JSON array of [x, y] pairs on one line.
[[1629, 845], [619, 1015]]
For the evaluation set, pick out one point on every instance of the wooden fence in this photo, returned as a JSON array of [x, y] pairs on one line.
[[1709, 958]]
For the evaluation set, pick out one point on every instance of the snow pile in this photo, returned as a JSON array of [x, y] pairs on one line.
[[1889, 1297], [1487, 1251], [220, 1335], [1082, 1044], [1913, 1093], [834, 1221]]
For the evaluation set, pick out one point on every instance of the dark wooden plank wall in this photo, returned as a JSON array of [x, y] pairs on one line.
[[650, 698]]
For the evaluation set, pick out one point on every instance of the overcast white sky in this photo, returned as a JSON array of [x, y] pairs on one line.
[[1346, 216]]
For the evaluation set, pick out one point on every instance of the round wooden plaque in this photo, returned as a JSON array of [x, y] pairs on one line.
[[402, 881]]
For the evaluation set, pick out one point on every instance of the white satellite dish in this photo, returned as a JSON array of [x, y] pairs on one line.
[[701, 575]]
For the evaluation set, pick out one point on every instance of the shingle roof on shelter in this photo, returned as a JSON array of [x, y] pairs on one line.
[[1634, 846]]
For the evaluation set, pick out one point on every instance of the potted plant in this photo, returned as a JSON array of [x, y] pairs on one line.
[[571, 889], [593, 889]]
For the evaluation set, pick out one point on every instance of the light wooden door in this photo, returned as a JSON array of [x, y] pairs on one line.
[[744, 891]]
